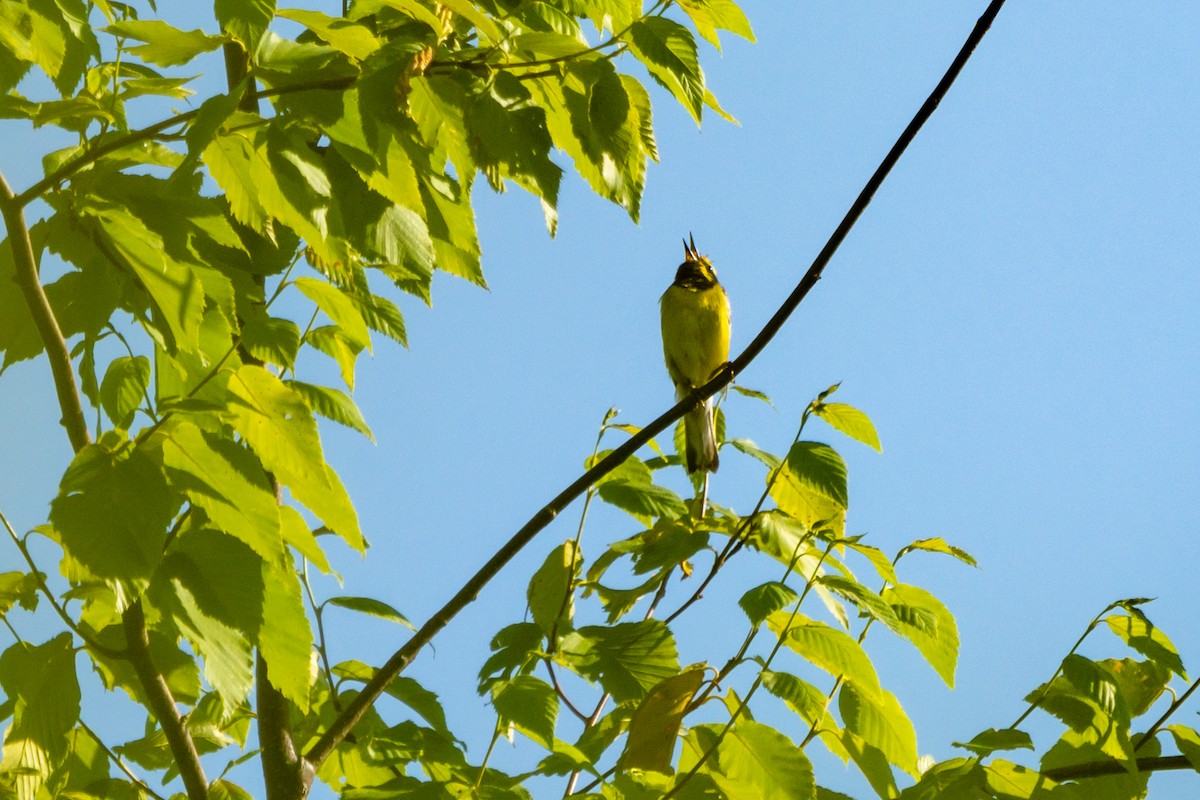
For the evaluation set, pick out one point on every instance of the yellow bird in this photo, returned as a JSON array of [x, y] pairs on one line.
[[695, 332]]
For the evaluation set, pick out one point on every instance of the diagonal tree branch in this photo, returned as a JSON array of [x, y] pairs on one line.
[[371, 692]]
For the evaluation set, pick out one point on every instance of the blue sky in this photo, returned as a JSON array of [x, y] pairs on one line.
[[1017, 311]]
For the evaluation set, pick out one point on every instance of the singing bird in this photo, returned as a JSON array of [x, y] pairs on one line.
[[695, 332]]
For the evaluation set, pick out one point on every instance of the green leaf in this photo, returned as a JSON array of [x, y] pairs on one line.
[[753, 760], [812, 485], [347, 37], [112, 513], [992, 740], [18, 588], [332, 341], [627, 659], [296, 533], [668, 51], [1188, 742], [224, 790], [830, 649], [644, 501], [655, 723], [332, 404], [165, 45], [880, 722], [381, 315], [225, 480], [550, 596], [1009, 781], [227, 651], [508, 138], [1086, 699], [1141, 635], [710, 15], [452, 229], [764, 600], [271, 339], [1139, 683], [810, 703], [281, 431], [850, 421], [369, 605], [512, 648], [41, 682], [746, 391], [174, 289], [928, 624], [481, 21], [338, 306], [867, 601], [530, 705], [872, 763], [285, 639], [421, 700], [938, 545], [124, 388], [245, 20]]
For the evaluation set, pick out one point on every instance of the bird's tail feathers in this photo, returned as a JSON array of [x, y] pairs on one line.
[[700, 436]]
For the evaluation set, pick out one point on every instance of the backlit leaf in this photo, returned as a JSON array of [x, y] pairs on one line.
[[928, 624], [123, 389], [850, 421], [655, 723], [165, 45], [280, 429], [828, 648], [880, 721], [550, 598], [627, 659], [669, 53], [332, 404], [369, 605], [530, 705], [753, 760], [285, 639]]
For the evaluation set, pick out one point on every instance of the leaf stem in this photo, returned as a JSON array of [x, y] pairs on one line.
[[116, 759]]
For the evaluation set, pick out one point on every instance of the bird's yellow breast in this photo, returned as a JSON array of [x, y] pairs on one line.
[[695, 329]]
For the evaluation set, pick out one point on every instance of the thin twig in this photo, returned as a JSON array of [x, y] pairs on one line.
[[1179, 701], [116, 759], [62, 613]]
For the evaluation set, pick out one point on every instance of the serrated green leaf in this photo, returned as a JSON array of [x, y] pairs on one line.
[[484, 24], [764, 600], [655, 723], [225, 480], [174, 290], [644, 501], [18, 588], [332, 404], [939, 545], [992, 740], [333, 342], [711, 15], [285, 640], [124, 388], [296, 533], [369, 605], [668, 51], [271, 339], [347, 37], [880, 722], [165, 45], [551, 601], [530, 705], [753, 760], [42, 683], [812, 486], [112, 513], [828, 648], [1141, 635], [751, 449], [280, 429], [338, 306], [850, 421], [512, 647], [928, 624], [1188, 742], [627, 659], [810, 703], [867, 601]]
